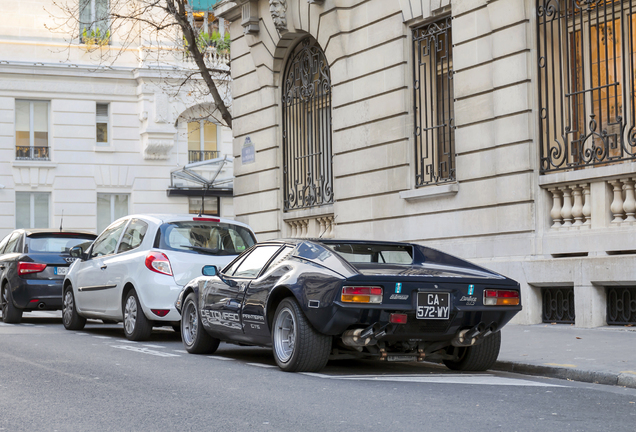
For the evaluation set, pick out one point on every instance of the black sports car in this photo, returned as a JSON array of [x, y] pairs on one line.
[[312, 300], [33, 264]]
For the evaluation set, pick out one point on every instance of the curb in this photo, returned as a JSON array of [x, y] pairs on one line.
[[595, 377]]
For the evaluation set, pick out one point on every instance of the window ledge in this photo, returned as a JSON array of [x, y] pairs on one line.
[[430, 192], [325, 210], [587, 174], [36, 163], [103, 149]]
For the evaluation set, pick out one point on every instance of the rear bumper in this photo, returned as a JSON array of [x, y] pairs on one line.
[[159, 292], [38, 294]]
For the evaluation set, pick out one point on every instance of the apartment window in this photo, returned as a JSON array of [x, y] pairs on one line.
[[110, 207], [202, 141], [210, 205], [31, 130], [94, 22], [586, 57], [101, 124], [433, 104], [32, 209], [307, 141]]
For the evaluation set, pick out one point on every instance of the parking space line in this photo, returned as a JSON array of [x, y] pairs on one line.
[[102, 337], [153, 346], [128, 341], [220, 358], [261, 365], [484, 379], [142, 350], [181, 351]]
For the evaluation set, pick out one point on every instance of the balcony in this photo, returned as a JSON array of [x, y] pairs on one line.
[[202, 155], [32, 153]]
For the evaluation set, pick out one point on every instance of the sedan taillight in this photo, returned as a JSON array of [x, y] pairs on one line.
[[501, 297], [361, 294], [30, 267], [159, 263]]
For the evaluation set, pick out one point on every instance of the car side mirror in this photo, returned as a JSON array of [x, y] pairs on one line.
[[77, 252], [210, 270]]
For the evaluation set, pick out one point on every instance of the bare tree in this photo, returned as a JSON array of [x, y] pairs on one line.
[[155, 33]]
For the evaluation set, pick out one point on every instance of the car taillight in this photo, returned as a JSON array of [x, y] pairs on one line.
[[159, 263], [501, 297], [361, 294], [29, 267]]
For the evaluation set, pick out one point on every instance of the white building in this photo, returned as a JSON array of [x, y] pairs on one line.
[[91, 142], [501, 131]]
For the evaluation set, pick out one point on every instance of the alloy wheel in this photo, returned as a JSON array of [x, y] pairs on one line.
[[285, 335], [67, 307], [130, 314], [190, 324]]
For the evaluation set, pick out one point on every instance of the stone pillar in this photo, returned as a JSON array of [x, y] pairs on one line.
[[590, 306], [577, 208], [555, 213], [566, 210], [587, 207], [617, 203], [629, 205]]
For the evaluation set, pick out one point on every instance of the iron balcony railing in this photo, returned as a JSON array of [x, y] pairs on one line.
[[202, 155], [32, 153]]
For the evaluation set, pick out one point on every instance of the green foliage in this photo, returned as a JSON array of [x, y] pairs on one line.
[[95, 38], [205, 40]]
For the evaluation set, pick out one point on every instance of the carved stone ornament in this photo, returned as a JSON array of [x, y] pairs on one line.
[[278, 10]]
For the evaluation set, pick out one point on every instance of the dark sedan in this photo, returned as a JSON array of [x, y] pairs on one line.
[[33, 264], [312, 300]]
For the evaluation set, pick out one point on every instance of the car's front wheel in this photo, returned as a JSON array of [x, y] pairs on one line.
[[136, 326], [10, 313], [478, 357], [70, 318], [195, 339], [297, 346]]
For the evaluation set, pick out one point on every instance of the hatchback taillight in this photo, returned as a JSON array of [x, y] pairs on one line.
[[30, 267], [361, 294], [159, 263]]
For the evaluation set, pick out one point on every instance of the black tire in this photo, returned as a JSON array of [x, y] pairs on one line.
[[70, 318], [195, 339], [308, 351], [136, 326], [10, 313], [479, 357]]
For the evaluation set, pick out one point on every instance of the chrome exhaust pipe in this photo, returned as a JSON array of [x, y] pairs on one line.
[[354, 338], [41, 305], [475, 331]]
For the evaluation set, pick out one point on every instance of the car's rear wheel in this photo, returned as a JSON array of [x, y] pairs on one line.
[[10, 313], [136, 326], [195, 339], [479, 357], [70, 318], [297, 346]]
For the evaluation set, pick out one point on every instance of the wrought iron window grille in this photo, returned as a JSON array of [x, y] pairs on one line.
[[434, 126], [558, 305], [307, 141], [621, 306], [586, 55], [32, 153]]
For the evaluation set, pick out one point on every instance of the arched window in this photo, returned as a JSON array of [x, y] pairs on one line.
[[307, 164]]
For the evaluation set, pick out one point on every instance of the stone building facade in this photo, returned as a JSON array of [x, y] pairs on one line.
[[90, 143], [483, 128]]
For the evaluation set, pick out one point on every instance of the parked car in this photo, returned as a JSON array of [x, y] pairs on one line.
[[135, 269], [312, 299], [33, 263]]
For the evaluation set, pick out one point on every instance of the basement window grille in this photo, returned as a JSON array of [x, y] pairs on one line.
[[558, 305], [621, 306]]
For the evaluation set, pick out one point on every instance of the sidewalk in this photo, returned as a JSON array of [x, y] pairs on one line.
[[605, 355]]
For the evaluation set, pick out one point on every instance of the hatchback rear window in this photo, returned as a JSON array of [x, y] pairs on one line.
[[212, 238], [57, 243]]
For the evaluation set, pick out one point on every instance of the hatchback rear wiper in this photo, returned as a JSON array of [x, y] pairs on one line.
[[208, 250]]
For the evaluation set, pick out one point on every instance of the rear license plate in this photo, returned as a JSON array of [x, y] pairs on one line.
[[61, 270], [433, 305]]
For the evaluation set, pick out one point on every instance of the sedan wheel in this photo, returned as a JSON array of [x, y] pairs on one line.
[[70, 318], [136, 325], [10, 313], [297, 346], [195, 339], [478, 357]]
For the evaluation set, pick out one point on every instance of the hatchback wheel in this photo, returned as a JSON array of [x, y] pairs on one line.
[[70, 318], [10, 313], [136, 326], [195, 339], [297, 346]]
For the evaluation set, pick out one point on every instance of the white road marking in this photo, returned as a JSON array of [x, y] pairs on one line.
[[220, 358], [27, 324], [3, 324], [439, 379], [82, 334], [153, 346], [181, 351], [128, 341], [102, 337], [261, 365], [144, 351]]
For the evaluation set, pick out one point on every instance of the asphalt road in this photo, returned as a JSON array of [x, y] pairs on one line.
[[95, 380]]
